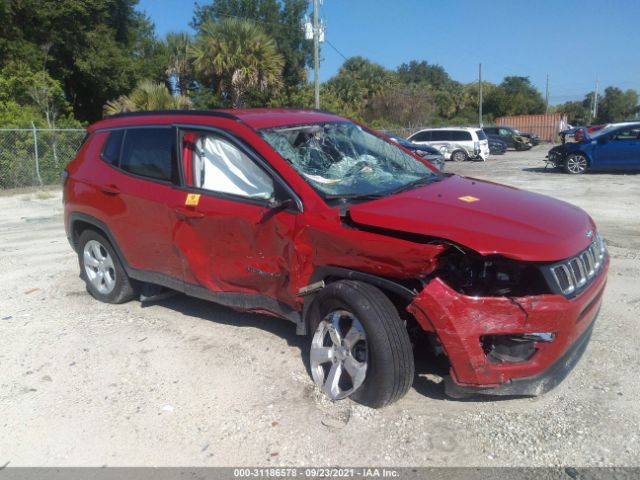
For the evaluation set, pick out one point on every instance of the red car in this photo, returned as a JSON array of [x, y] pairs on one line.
[[315, 219]]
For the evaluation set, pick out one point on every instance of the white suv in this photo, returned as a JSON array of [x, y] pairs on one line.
[[463, 143]]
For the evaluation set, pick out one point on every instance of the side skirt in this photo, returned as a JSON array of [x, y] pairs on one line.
[[240, 301]]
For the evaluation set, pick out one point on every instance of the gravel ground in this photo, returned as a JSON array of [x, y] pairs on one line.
[[186, 382]]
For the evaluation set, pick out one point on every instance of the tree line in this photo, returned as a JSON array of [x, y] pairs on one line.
[[69, 62]]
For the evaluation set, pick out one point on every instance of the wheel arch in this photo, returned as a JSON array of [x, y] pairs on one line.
[[399, 293], [579, 152], [79, 222]]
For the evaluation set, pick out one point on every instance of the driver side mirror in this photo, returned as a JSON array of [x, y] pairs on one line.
[[275, 206], [603, 139]]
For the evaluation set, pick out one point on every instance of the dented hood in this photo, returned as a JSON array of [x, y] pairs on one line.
[[484, 216]]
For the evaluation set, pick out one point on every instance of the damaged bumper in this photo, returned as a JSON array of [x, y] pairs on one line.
[[508, 346], [528, 386]]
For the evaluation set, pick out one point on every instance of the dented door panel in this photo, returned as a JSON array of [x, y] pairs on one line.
[[231, 248]]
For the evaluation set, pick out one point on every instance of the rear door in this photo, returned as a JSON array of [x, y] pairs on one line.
[[137, 194], [235, 241]]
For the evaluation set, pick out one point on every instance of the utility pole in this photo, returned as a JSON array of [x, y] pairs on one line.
[[480, 95], [316, 54], [546, 97], [595, 101]]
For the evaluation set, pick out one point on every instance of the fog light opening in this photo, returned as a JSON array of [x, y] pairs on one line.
[[513, 348]]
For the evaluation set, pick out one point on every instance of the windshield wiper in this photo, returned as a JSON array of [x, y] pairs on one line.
[[355, 196]]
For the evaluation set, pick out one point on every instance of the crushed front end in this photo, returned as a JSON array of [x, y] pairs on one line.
[[509, 328]]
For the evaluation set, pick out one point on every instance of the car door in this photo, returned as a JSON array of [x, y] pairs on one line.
[[136, 194], [507, 137], [619, 150], [234, 223]]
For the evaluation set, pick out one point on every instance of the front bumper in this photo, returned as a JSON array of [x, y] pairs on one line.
[[555, 158], [533, 385], [461, 321]]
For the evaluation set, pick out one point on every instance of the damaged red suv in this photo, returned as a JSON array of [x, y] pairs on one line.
[[315, 219]]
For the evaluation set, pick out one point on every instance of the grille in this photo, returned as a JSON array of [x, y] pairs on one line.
[[575, 273]]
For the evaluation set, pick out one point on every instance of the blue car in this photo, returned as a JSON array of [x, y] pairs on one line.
[[616, 147]]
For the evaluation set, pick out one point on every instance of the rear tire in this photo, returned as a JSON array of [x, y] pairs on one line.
[[381, 359], [102, 270], [459, 156]]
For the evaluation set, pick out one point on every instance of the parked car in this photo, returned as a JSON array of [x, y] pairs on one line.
[[432, 154], [533, 138], [309, 217], [463, 143], [576, 134], [512, 137], [497, 147], [614, 147]]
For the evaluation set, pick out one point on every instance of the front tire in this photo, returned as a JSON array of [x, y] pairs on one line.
[[102, 270], [360, 347], [459, 156], [576, 164]]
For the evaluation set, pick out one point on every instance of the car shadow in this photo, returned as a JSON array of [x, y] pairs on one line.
[[430, 369], [543, 170], [213, 312]]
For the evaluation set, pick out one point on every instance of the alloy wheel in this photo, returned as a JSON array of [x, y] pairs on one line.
[[98, 267], [339, 354], [576, 164]]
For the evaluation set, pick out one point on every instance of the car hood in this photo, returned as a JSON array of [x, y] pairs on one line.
[[484, 216]]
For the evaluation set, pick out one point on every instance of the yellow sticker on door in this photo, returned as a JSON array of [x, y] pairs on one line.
[[468, 198], [192, 200]]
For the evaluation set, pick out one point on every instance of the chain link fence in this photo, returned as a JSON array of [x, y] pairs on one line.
[[36, 156]]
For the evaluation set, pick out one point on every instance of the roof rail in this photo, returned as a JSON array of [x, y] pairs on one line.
[[145, 113]]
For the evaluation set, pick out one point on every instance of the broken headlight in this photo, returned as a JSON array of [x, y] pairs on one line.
[[474, 275]]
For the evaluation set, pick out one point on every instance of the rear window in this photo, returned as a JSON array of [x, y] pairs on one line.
[[481, 135], [150, 152], [460, 136], [111, 150]]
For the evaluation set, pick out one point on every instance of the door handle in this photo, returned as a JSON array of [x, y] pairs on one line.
[[110, 189], [187, 214]]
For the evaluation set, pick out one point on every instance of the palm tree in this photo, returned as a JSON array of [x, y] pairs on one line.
[[179, 64], [236, 56], [147, 96]]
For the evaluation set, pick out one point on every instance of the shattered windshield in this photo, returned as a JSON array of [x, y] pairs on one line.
[[345, 160]]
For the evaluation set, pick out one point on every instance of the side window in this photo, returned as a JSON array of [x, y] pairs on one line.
[[111, 150], [212, 163], [150, 152], [460, 136], [421, 137], [440, 135], [491, 131], [626, 134]]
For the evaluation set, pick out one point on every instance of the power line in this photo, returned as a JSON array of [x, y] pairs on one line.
[[332, 46]]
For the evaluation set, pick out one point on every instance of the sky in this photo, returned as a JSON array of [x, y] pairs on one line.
[[573, 42]]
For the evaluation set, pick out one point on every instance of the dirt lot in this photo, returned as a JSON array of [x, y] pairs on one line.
[[185, 382]]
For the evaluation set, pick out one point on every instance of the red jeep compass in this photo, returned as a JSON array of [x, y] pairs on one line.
[[310, 217]]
